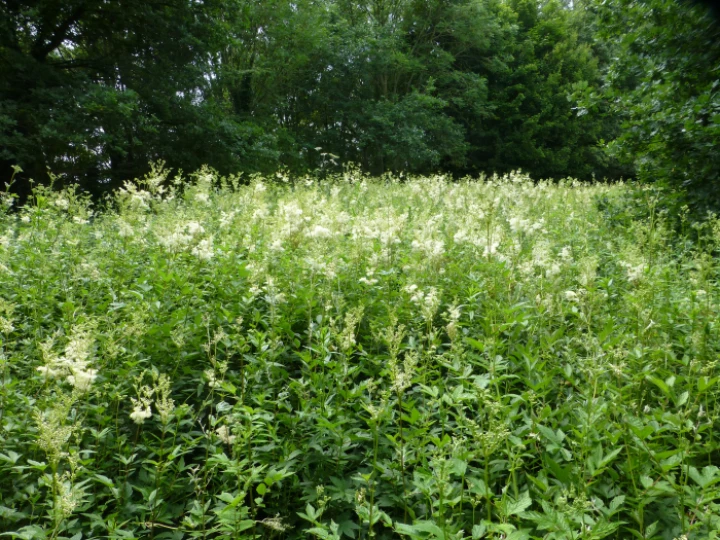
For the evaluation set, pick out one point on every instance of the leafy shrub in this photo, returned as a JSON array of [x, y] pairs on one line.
[[358, 358]]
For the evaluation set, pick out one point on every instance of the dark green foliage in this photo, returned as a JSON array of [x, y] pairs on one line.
[[664, 83], [95, 90], [358, 358], [532, 122]]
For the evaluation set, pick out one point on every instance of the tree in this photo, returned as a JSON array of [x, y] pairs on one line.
[[665, 85], [93, 90], [531, 123]]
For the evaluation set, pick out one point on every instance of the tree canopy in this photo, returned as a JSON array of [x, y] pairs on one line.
[[95, 90]]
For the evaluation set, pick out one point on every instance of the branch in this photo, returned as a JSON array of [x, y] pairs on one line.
[[42, 49]]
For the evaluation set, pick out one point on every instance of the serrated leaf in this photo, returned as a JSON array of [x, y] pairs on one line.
[[662, 385], [562, 474], [514, 507], [29, 532], [610, 457], [478, 531], [708, 476], [604, 529], [104, 480], [615, 504], [682, 399]]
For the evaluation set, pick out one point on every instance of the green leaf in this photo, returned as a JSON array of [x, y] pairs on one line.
[[682, 399], [478, 531], [704, 383], [604, 529], [616, 504], [104, 480], [514, 507], [29, 532], [708, 477], [662, 385], [561, 473]]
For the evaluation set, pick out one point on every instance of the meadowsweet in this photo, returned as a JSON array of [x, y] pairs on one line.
[[430, 304], [402, 379], [6, 325], [226, 218], [276, 246], [368, 280], [428, 246], [193, 228], [418, 339], [202, 198], [204, 249], [175, 241], [273, 296], [82, 380], [491, 248], [346, 338], [89, 270], [141, 411], [138, 199], [635, 272], [164, 404], [223, 433], [318, 231], [61, 203], [211, 378], [142, 403], [453, 316], [315, 265], [53, 432], [461, 236], [572, 296], [565, 253], [6, 200], [274, 524], [74, 364]]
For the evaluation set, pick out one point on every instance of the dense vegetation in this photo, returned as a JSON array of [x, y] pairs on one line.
[[358, 318], [95, 90], [360, 358]]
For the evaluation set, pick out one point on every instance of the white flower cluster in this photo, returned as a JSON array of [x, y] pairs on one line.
[[74, 365], [520, 225], [289, 219], [428, 301], [62, 203], [385, 225], [318, 231], [634, 272], [134, 197], [223, 433], [182, 236], [368, 278], [204, 249], [125, 230], [188, 236], [159, 392], [428, 246]]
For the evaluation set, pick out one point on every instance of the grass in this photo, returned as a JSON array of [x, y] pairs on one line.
[[358, 358]]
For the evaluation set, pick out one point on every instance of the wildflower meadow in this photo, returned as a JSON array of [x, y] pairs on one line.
[[395, 357]]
